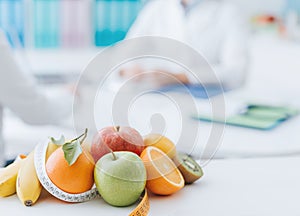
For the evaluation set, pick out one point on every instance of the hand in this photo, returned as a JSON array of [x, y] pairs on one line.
[[131, 72], [158, 78]]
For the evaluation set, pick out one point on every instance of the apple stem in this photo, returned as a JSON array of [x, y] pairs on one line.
[[114, 155], [82, 135], [117, 128]]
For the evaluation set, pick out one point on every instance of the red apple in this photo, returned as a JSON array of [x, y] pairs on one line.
[[116, 139]]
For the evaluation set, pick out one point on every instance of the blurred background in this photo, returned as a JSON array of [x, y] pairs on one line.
[[48, 31], [55, 40]]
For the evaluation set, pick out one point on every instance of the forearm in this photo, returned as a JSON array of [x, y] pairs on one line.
[[169, 78]]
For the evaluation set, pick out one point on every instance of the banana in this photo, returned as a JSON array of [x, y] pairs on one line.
[[28, 185], [8, 177], [20, 177]]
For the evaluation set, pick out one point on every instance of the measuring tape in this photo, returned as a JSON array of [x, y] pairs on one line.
[[40, 165], [143, 207]]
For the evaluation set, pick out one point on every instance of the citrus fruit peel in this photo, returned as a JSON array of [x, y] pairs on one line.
[[163, 177]]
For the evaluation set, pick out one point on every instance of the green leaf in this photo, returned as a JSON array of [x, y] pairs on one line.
[[59, 142], [72, 151]]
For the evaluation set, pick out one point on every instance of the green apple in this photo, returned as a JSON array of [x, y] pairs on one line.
[[120, 177]]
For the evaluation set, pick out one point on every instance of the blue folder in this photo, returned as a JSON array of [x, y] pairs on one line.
[[196, 90]]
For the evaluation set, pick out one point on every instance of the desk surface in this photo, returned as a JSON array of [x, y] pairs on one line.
[[243, 142], [235, 142], [229, 187], [271, 76]]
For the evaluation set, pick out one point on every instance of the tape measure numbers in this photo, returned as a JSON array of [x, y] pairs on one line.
[[143, 207]]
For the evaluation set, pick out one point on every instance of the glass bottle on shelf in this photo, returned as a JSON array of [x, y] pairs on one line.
[[112, 19], [12, 21], [46, 23], [75, 23]]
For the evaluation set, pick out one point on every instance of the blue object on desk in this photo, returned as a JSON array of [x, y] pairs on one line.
[[198, 91], [12, 21]]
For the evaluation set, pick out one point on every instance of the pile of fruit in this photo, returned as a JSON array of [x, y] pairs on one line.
[[119, 164]]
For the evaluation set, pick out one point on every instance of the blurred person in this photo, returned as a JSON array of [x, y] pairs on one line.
[[214, 28], [20, 94]]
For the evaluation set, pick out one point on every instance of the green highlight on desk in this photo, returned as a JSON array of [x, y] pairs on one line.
[[256, 116]]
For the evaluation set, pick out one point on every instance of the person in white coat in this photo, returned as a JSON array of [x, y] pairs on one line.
[[20, 94], [214, 28]]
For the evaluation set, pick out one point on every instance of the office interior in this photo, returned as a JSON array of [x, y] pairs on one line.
[[56, 41]]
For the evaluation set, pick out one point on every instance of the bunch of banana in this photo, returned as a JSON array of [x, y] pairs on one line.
[[8, 177], [21, 177]]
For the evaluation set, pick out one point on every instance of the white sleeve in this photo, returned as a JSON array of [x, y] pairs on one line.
[[2, 150], [140, 27], [19, 93], [232, 60], [234, 51], [164, 18]]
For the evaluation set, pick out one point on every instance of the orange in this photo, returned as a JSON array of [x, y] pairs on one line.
[[74, 179], [163, 177], [161, 142]]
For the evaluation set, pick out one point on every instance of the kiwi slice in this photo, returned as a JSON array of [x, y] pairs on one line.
[[189, 168]]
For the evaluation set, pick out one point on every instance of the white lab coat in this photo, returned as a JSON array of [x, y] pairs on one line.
[[2, 159], [20, 94], [214, 28]]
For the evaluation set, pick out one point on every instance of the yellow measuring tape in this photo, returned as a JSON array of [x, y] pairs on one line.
[[143, 207]]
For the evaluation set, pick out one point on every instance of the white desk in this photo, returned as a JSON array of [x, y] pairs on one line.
[[273, 76], [243, 142], [229, 187], [171, 118], [236, 142]]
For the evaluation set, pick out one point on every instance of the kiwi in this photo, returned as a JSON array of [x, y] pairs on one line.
[[189, 168]]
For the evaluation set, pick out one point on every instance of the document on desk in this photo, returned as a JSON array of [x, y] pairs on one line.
[[255, 116]]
